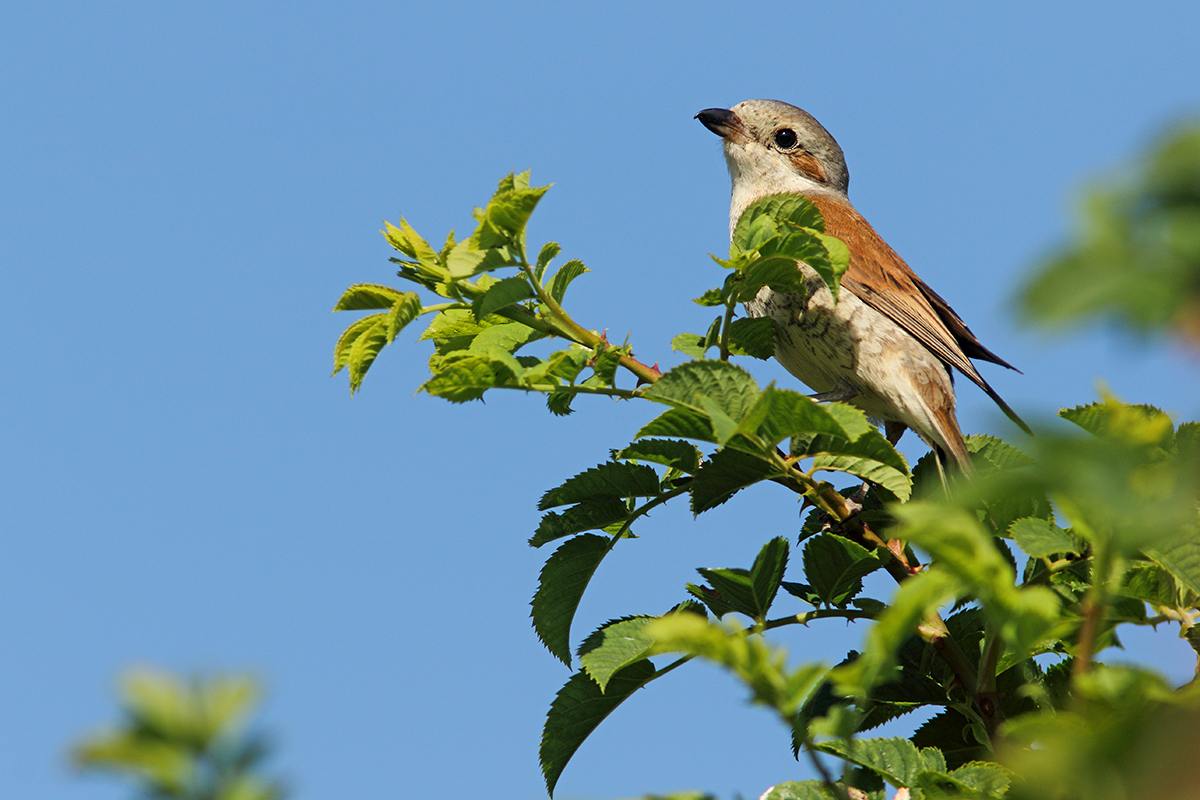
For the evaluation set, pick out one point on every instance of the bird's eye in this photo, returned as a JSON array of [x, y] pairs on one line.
[[785, 138]]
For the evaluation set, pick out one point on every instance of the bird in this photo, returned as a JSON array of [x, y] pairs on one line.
[[889, 344]]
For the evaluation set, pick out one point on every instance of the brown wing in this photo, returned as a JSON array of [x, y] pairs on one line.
[[881, 279]]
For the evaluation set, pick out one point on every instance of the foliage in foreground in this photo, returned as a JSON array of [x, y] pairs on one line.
[[184, 740], [1040, 559]]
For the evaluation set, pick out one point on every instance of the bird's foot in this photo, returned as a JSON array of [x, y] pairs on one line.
[[840, 394]]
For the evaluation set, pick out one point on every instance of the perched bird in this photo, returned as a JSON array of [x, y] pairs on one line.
[[887, 346]]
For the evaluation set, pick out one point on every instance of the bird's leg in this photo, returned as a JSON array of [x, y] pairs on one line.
[[840, 393], [893, 431]]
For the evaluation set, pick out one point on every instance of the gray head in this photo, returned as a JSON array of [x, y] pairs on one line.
[[775, 147]]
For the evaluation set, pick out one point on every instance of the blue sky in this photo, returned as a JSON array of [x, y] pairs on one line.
[[186, 189]]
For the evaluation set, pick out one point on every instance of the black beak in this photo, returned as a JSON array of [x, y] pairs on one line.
[[721, 121]]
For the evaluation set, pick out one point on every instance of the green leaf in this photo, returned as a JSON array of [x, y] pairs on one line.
[[713, 297], [560, 588], [1180, 557], [802, 790], [790, 413], [917, 597], [1112, 418], [501, 294], [835, 567], [619, 643], [795, 209], [760, 667], [406, 309], [579, 708], [958, 543], [1153, 584], [767, 573], [690, 344], [548, 253], [365, 348], [341, 351], [752, 336], [364, 296], [730, 387], [724, 474], [736, 589], [950, 733], [1040, 538], [463, 377], [594, 514], [679, 422], [612, 479], [507, 337], [673, 453], [556, 287], [897, 761]]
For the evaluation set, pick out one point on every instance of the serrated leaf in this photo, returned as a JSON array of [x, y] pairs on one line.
[[895, 760], [612, 479], [548, 253], [579, 708], [780, 273], [916, 597], [958, 542], [998, 453], [560, 588], [767, 573], [365, 296], [713, 297], [679, 422], [1109, 417], [559, 403], [835, 567], [724, 474], [673, 453], [507, 337], [406, 309], [365, 348], [735, 588], [464, 377], [1151, 583], [556, 287], [1040, 538], [760, 667], [604, 366], [613, 646], [501, 294], [791, 414], [690, 344], [594, 514], [730, 387], [341, 350], [870, 457], [803, 790], [420, 248], [752, 336], [949, 732], [711, 599], [794, 209], [1180, 557]]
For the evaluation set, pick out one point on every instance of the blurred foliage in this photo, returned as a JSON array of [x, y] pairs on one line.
[[184, 740], [1137, 254]]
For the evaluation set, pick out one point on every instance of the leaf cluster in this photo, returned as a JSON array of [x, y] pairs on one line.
[[184, 740], [1042, 556]]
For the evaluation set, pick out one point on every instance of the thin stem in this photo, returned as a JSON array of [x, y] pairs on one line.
[[729, 307], [820, 613]]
